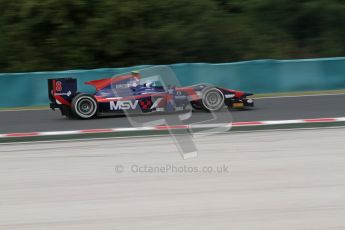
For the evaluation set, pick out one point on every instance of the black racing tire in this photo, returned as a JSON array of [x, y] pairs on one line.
[[84, 106], [212, 99]]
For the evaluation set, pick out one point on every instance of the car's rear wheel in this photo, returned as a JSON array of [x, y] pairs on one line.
[[212, 99], [84, 106]]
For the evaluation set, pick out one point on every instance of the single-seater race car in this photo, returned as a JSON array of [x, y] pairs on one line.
[[145, 91]]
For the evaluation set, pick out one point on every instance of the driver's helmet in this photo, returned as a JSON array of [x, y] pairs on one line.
[[149, 84], [135, 81]]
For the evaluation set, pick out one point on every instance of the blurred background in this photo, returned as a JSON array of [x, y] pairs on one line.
[[38, 35]]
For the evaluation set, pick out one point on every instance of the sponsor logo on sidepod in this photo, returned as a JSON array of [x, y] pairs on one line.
[[123, 105], [126, 105]]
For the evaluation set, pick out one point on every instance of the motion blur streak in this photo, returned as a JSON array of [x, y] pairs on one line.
[[277, 180]]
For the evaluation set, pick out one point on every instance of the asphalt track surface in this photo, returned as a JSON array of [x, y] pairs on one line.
[[265, 109], [275, 180]]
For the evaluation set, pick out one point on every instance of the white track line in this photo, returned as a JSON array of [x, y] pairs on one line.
[[163, 135], [164, 127]]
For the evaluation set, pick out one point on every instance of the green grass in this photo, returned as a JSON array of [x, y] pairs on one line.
[[40, 107], [261, 95]]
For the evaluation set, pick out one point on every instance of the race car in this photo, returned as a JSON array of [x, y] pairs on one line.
[[140, 93]]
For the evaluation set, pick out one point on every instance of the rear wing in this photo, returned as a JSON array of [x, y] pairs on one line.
[[62, 90]]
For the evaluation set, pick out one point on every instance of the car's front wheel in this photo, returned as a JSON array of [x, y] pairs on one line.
[[84, 106], [212, 99]]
